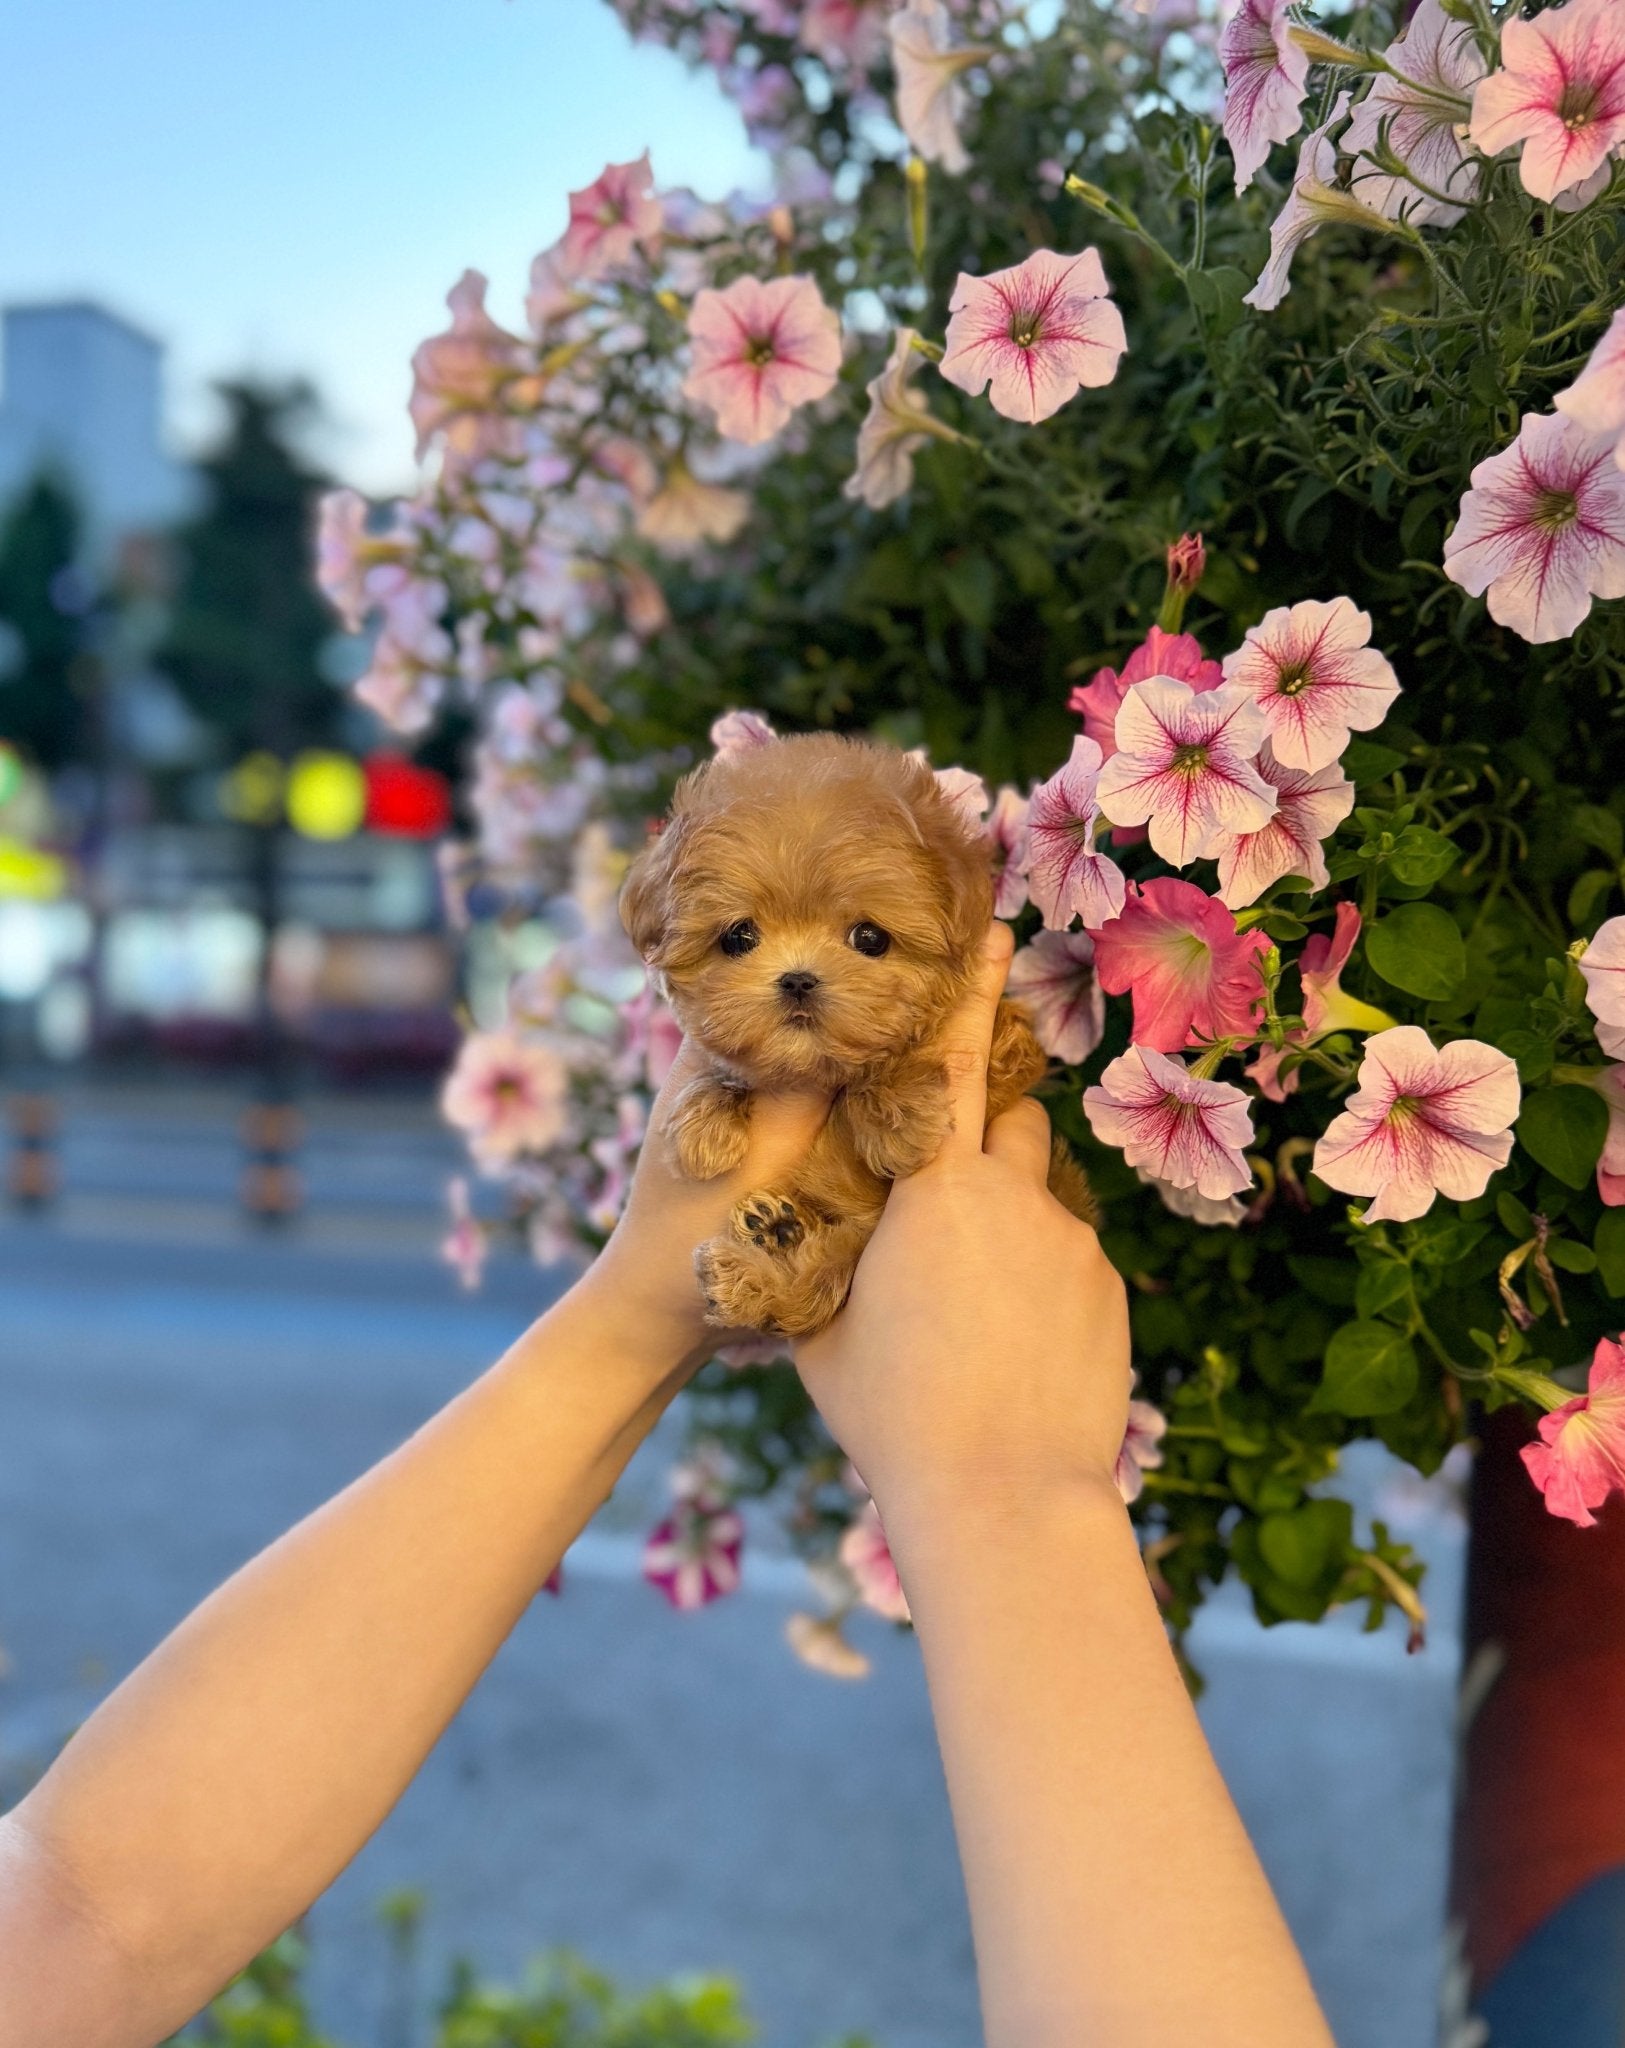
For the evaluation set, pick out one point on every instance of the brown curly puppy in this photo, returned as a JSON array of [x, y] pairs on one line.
[[813, 911]]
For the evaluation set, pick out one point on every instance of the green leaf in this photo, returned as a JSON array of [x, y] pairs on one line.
[[1417, 947], [972, 583], [1364, 761], [1420, 507], [1307, 1546], [1589, 894], [1609, 1242], [1370, 1370], [1332, 1280], [1421, 856], [1593, 826], [1304, 499], [1217, 295], [1570, 1257], [1564, 1129], [1515, 1219], [1383, 1285]]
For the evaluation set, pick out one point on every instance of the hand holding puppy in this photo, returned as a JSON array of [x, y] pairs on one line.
[[983, 1356]]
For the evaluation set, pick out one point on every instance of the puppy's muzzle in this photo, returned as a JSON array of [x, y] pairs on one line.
[[797, 990]]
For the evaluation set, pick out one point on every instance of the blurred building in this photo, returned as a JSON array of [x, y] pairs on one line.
[[81, 394]]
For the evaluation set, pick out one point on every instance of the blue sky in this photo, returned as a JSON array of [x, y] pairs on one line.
[[284, 185]]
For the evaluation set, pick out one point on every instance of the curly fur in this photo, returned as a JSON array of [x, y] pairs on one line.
[[806, 839]]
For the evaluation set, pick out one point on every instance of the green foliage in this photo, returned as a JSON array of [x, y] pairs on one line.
[[248, 628], [42, 705]]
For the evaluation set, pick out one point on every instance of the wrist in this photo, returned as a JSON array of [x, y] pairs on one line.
[[1012, 1522], [626, 1331]]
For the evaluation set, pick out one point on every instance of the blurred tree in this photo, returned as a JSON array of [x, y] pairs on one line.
[[248, 626], [41, 709]]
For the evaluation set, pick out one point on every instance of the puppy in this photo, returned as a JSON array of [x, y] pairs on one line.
[[813, 912]]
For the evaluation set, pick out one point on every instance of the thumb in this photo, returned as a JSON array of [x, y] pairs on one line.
[[782, 1128]]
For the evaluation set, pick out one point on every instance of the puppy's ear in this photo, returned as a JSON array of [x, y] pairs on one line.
[[645, 903]]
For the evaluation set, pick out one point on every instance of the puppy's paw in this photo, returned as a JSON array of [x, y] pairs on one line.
[[740, 1287], [899, 1127], [771, 1222], [709, 1129]]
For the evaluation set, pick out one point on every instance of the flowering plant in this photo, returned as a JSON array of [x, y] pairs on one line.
[[1252, 532]]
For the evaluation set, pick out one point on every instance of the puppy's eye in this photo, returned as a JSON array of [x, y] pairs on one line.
[[869, 939], [742, 937]]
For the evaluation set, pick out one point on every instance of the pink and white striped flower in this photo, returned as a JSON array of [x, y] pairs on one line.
[[1310, 805], [1541, 530], [964, 790], [898, 424], [508, 1093], [1602, 966], [1142, 1448], [1595, 400], [1186, 766], [1316, 201], [1265, 76], [1314, 678], [740, 732], [1422, 1122], [1320, 969], [1099, 700], [1066, 877], [458, 378], [1034, 334], [867, 1556], [1194, 978], [1610, 1085], [1053, 978], [617, 213], [1436, 61], [1580, 1458], [1560, 92], [930, 91], [760, 350], [848, 34], [1226, 1214], [1006, 833], [693, 1556], [1186, 1131]]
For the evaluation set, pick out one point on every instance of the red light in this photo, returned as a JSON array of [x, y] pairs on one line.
[[405, 800]]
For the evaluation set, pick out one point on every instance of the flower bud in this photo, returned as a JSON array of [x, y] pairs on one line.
[[1187, 560]]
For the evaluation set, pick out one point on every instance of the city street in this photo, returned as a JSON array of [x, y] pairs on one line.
[[660, 1791]]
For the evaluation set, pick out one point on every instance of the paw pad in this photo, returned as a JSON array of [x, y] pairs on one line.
[[773, 1224]]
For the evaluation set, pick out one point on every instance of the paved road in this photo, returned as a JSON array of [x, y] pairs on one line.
[[662, 1792]]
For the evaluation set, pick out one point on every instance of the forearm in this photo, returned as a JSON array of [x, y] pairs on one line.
[[231, 1777], [1114, 1895]]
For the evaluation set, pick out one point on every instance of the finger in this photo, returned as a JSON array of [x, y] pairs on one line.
[[967, 1042], [1022, 1138], [782, 1128]]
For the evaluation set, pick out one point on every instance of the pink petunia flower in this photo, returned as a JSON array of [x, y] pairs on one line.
[[1320, 969], [1314, 679], [617, 213], [464, 1246], [1580, 1458], [1265, 76], [400, 689], [1560, 92], [1610, 1085], [964, 790], [1006, 832], [684, 513], [1142, 1448], [1422, 1122], [1541, 529], [1596, 398], [693, 1556], [553, 293], [1228, 1213], [759, 351], [347, 553], [1066, 877], [1053, 978], [845, 33], [458, 378], [867, 1556], [1194, 978], [930, 94], [897, 426], [1316, 201], [1434, 62], [1602, 966], [1186, 766], [508, 1093], [1033, 334], [1310, 805], [1099, 700], [1186, 1131], [741, 732]]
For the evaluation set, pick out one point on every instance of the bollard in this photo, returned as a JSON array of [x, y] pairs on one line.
[[271, 1190], [33, 1173]]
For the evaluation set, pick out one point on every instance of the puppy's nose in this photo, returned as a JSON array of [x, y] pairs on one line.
[[798, 984]]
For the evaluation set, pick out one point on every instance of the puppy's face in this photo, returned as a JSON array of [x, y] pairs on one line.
[[812, 907]]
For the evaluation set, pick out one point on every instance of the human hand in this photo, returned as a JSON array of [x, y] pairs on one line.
[[983, 1353], [643, 1283]]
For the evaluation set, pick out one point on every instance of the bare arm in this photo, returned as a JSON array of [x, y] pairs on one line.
[[979, 1379], [230, 1778]]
